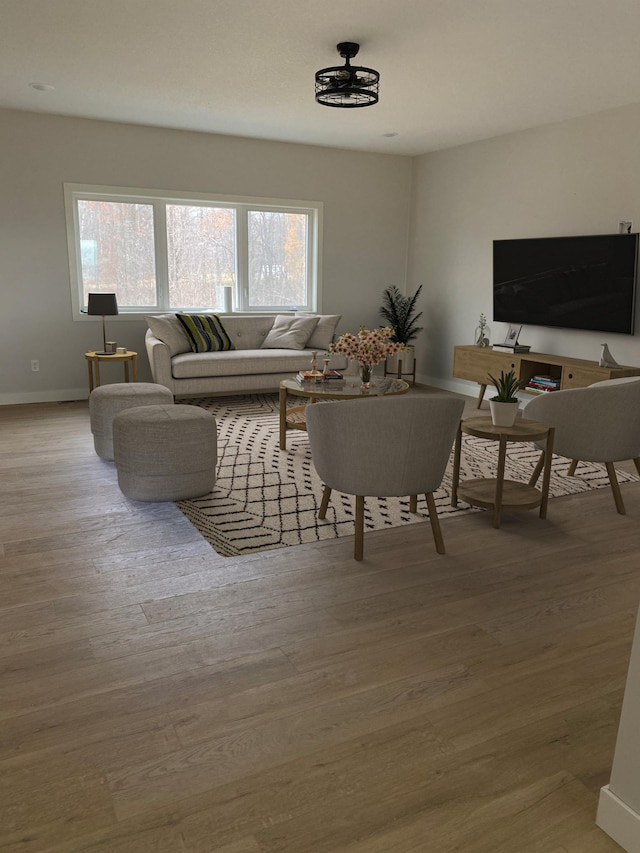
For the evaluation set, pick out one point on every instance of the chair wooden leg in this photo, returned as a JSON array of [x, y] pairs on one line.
[[435, 523], [571, 470], [615, 488], [536, 471], [413, 503], [324, 504], [359, 531], [546, 477], [636, 462]]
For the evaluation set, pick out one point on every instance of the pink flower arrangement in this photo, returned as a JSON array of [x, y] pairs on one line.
[[368, 347]]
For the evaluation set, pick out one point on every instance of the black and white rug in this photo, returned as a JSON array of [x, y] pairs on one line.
[[268, 498]]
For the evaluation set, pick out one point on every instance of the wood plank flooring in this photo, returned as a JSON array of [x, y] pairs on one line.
[[157, 697]]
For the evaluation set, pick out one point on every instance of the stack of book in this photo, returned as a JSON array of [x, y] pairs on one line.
[[541, 384], [511, 347], [307, 376]]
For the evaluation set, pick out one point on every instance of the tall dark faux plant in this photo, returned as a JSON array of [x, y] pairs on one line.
[[399, 311]]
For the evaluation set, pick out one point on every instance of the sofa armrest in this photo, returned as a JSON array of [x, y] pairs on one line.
[[159, 361]]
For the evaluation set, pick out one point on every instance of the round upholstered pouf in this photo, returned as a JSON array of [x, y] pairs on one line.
[[107, 400], [165, 453]]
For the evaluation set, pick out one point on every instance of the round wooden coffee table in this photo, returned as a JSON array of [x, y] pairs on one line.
[[329, 389], [496, 493]]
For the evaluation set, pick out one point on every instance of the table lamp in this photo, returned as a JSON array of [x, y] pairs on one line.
[[105, 305]]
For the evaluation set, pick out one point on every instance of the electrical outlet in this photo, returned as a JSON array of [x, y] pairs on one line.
[[35, 365], [625, 226]]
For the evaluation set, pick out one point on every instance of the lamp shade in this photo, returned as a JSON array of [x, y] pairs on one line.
[[103, 304]]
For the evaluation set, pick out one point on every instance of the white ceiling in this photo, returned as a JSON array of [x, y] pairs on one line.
[[451, 71]]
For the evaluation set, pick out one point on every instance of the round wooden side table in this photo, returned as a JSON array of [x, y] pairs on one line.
[[126, 358], [496, 493]]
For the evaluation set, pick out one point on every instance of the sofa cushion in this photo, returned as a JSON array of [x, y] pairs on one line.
[[245, 363], [290, 332], [168, 329], [323, 333], [205, 332], [248, 332]]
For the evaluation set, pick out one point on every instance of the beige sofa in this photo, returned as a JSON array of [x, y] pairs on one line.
[[250, 367]]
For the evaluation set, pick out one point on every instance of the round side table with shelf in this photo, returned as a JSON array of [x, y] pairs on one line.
[[496, 493], [126, 358]]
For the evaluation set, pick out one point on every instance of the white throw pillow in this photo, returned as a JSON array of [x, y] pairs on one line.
[[323, 333], [290, 332], [168, 329]]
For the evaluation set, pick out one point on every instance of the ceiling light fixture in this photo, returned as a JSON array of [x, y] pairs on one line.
[[43, 87], [347, 86]]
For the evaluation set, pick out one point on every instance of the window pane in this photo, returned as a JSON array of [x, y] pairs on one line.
[[117, 251], [201, 246], [277, 259]]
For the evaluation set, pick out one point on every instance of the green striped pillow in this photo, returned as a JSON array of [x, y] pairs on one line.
[[205, 332]]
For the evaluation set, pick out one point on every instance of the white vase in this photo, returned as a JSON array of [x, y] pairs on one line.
[[503, 414]]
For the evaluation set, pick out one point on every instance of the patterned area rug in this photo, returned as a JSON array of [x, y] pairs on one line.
[[266, 498]]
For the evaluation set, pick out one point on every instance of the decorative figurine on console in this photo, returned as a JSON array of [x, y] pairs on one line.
[[482, 332], [606, 359]]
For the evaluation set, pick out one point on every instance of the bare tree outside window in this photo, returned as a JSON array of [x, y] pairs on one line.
[[201, 249], [117, 250], [277, 258]]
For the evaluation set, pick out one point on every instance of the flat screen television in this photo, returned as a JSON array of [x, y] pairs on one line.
[[571, 282]]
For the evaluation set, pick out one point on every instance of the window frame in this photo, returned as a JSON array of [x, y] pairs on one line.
[[158, 199]]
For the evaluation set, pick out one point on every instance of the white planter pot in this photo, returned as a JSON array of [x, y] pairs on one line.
[[503, 414], [407, 362]]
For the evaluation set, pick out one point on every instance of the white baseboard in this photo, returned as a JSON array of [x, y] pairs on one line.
[[619, 821], [63, 395], [469, 389]]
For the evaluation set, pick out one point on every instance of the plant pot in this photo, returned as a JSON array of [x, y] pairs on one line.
[[503, 414], [405, 356]]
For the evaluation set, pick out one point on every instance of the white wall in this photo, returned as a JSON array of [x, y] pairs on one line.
[[619, 804], [366, 208], [577, 177]]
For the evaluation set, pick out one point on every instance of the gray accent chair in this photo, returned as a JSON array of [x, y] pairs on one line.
[[600, 423], [383, 447]]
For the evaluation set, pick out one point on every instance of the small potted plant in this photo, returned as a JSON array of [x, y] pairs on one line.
[[504, 406]]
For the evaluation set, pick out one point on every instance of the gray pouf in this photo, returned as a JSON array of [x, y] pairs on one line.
[[107, 400], [165, 453]]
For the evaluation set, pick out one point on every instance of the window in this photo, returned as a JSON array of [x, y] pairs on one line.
[[160, 251]]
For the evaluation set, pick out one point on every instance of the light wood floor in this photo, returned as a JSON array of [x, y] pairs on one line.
[[157, 697]]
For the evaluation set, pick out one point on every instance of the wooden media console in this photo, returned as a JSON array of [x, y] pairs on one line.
[[475, 363]]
